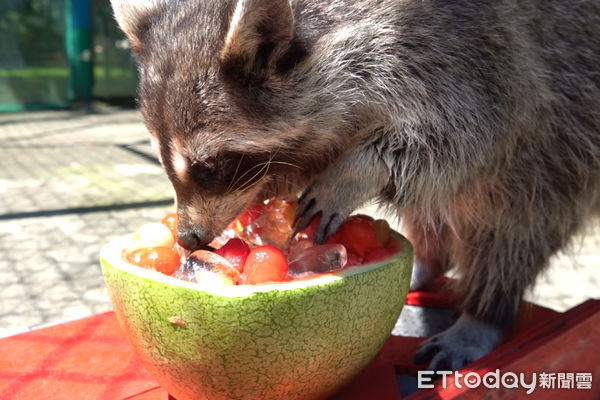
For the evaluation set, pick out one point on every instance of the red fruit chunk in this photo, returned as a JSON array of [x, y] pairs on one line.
[[265, 264], [353, 260], [162, 259], [249, 214], [364, 217], [378, 254], [394, 246], [312, 228], [170, 221], [358, 235], [382, 231], [235, 251]]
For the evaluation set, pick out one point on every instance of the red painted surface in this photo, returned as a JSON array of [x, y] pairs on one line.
[[86, 359], [545, 342], [91, 359]]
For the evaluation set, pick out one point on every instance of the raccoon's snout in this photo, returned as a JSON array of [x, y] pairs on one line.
[[192, 238]]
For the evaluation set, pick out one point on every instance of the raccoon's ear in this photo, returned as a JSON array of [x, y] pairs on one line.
[[260, 32], [131, 16]]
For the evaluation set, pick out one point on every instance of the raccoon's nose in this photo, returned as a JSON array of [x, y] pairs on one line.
[[191, 239]]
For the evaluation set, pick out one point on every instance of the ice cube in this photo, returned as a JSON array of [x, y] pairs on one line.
[[319, 259], [220, 240], [273, 227], [297, 245], [204, 260], [186, 272]]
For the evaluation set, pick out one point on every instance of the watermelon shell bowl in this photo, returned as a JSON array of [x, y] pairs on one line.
[[301, 339]]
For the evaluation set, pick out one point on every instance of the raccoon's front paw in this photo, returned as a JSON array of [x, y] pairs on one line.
[[465, 341], [315, 203], [357, 177]]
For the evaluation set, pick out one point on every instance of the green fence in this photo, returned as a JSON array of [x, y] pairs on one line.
[[54, 53]]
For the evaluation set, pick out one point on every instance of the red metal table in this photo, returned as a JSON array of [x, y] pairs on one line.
[[91, 359]]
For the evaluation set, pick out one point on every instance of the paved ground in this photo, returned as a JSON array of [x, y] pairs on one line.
[[70, 181]]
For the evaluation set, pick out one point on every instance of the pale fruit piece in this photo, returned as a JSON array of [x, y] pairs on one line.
[[211, 279], [152, 234]]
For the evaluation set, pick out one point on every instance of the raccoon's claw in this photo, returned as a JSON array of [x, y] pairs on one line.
[[328, 225], [440, 359], [309, 208], [304, 214], [356, 177], [465, 341]]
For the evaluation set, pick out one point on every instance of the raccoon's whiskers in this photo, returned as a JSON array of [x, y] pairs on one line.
[[234, 183], [235, 173], [264, 168], [279, 184], [285, 163]]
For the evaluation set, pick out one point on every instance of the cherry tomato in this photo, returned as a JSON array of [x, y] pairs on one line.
[[235, 251], [162, 259], [265, 264], [357, 234], [170, 221]]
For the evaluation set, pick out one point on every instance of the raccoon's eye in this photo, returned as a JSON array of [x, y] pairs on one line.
[[230, 171], [208, 175]]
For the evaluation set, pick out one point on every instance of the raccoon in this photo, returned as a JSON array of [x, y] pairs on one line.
[[477, 122]]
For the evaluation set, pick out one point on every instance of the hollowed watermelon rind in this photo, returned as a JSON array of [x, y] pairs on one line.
[[297, 340]]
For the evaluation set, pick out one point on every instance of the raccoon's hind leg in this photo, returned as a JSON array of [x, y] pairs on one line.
[[468, 339], [496, 264], [427, 238]]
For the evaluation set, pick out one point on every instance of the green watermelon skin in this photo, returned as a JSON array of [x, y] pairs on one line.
[[280, 343]]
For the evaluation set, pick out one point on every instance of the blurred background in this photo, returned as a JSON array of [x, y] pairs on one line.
[[57, 52], [77, 169]]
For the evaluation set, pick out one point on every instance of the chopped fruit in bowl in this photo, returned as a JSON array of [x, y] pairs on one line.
[[162, 258], [295, 320], [259, 247], [235, 251], [265, 264], [170, 221], [152, 234]]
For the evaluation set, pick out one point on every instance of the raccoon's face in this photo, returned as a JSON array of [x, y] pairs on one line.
[[214, 96]]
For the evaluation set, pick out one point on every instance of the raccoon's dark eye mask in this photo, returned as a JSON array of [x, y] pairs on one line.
[[229, 171]]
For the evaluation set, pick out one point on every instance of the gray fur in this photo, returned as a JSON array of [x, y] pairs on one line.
[[477, 121], [466, 340]]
